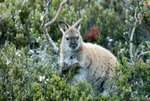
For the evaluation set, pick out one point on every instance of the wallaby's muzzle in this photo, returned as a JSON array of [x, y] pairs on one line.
[[73, 46]]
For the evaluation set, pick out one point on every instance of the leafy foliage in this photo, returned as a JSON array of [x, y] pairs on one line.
[[131, 80], [22, 79], [29, 70]]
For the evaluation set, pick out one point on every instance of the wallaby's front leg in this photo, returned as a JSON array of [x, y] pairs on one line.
[[67, 68]]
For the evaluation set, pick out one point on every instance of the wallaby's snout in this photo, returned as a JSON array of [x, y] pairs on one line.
[[73, 46], [73, 43]]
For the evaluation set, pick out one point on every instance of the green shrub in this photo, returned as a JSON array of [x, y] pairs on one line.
[[132, 81], [29, 70], [21, 22], [24, 78], [28, 77]]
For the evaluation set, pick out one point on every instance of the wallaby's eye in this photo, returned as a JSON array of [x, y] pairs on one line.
[[67, 38], [77, 37]]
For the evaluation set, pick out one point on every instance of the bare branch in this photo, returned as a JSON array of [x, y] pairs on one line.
[[44, 26], [132, 33], [49, 2], [140, 3], [142, 54], [139, 46], [68, 6], [133, 30], [126, 2], [57, 15], [50, 41]]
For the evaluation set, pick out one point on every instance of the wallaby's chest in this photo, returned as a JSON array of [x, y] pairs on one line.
[[70, 58], [82, 75]]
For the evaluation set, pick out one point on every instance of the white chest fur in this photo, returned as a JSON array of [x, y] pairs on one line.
[[82, 75], [70, 58]]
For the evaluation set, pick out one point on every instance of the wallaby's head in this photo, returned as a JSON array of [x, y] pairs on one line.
[[71, 34]]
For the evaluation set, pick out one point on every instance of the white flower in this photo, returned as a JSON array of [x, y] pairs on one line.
[[110, 40], [31, 51], [8, 62], [18, 53], [38, 39], [41, 18], [126, 21], [41, 78]]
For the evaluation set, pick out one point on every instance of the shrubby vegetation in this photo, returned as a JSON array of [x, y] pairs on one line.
[[27, 78], [29, 69]]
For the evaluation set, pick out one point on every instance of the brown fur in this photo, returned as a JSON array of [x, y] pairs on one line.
[[97, 63]]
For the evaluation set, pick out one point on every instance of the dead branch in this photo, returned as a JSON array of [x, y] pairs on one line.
[[57, 15], [142, 54], [132, 33], [127, 4], [46, 7], [139, 46], [44, 26], [133, 30]]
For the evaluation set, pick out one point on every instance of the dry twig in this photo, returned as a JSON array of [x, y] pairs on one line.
[[143, 53], [44, 26], [133, 30], [57, 15]]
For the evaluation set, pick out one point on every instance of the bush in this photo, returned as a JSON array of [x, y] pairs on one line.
[[22, 78], [21, 23], [131, 81], [27, 77], [29, 70]]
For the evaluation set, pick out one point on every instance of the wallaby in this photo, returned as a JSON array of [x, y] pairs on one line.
[[96, 63]]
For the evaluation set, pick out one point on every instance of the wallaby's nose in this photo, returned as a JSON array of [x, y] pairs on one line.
[[73, 46]]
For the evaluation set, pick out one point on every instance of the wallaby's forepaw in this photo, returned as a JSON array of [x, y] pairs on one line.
[[63, 72]]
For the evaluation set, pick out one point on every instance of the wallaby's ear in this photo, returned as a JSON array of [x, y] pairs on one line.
[[77, 25], [63, 26]]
